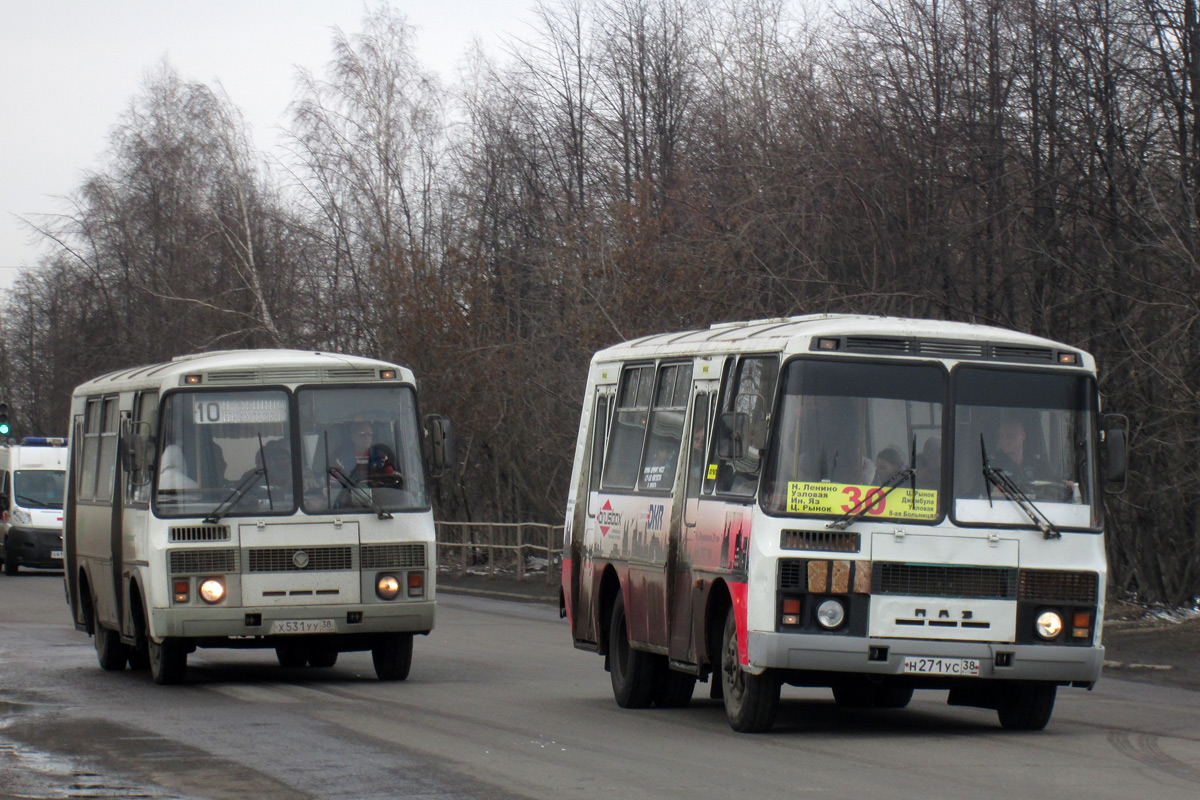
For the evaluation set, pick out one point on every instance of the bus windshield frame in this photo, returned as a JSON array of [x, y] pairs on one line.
[[1041, 429], [843, 428], [271, 451]]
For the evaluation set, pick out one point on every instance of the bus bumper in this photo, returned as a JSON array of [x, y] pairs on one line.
[[242, 626], [997, 660], [34, 547]]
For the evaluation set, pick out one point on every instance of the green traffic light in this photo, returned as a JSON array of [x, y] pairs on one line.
[[4, 429]]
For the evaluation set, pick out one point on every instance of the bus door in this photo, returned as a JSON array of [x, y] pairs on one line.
[[585, 542], [684, 595]]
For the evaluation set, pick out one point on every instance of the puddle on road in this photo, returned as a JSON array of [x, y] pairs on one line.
[[26, 772]]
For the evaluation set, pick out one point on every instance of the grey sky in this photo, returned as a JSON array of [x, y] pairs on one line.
[[69, 68]]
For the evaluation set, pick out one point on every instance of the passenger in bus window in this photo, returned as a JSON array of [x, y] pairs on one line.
[[1010, 453], [173, 474], [382, 468], [887, 464]]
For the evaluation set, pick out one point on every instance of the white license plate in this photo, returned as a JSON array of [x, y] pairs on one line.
[[941, 666], [56, 554], [303, 626]]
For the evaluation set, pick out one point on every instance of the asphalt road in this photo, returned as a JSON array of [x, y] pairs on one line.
[[500, 705]]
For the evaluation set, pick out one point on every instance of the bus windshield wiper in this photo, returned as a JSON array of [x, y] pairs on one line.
[[869, 499], [234, 497], [1004, 482], [240, 490], [358, 490]]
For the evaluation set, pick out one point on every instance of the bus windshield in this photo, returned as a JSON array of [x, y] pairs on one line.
[[38, 488], [228, 448], [231, 453], [1038, 428], [845, 429], [361, 449]]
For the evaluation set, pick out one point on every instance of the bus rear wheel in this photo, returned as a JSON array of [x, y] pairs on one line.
[[1026, 707], [634, 673], [863, 692], [168, 661], [393, 656], [111, 654], [751, 701], [322, 657]]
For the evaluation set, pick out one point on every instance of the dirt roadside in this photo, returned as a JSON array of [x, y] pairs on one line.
[[1141, 644]]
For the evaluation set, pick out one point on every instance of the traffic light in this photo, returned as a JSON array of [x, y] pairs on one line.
[[5, 427]]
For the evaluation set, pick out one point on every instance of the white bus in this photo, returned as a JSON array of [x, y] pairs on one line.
[[255, 498], [868, 504]]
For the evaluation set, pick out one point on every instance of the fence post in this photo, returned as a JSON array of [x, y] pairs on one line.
[[462, 550], [520, 551]]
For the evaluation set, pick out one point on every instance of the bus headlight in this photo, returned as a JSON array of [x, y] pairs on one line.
[[831, 614], [1049, 624], [212, 590], [387, 587]]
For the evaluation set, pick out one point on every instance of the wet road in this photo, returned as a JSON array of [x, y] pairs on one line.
[[500, 705]]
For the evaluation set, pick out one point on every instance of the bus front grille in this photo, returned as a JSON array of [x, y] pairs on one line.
[[932, 580], [193, 562], [199, 533], [1058, 586], [392, 556], [830, 541], [299, 559]]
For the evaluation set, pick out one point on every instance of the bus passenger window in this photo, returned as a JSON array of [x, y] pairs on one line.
[[629, 428], [666, 428]]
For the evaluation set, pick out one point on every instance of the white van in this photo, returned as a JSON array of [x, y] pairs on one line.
[[31, 503]]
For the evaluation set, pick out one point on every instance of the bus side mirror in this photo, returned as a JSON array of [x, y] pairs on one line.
[[441, 444], [731, 435], [1116, 453]]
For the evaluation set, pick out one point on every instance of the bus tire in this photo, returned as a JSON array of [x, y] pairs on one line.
[[322, 657], [675, 689], [1026, 707], [291, 655], [751, 701], [111, 654], [168, 661], [11, 566], [633, 672], [393, 656]]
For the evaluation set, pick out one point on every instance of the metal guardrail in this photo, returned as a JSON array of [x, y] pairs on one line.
[[518, 549]]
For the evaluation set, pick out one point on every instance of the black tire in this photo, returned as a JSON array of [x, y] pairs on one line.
[[635, 674], [110, 652], [11, 565], [168, 661], [393, 656], [751, 701], [1026, 707], [860, 692], [322, 657], [291, 655], [674, 689]]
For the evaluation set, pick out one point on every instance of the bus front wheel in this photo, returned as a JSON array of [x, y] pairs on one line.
[[1026, 707], [393, 656], [751, 701]]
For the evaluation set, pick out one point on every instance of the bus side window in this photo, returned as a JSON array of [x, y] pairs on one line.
[[145, 415], [91, 449], [745, 414], [108, 450], [629, 428], [599, 434], [666, 428], [697, 442]]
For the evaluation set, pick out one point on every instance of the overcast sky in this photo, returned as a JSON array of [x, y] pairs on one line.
[[69, 68]]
